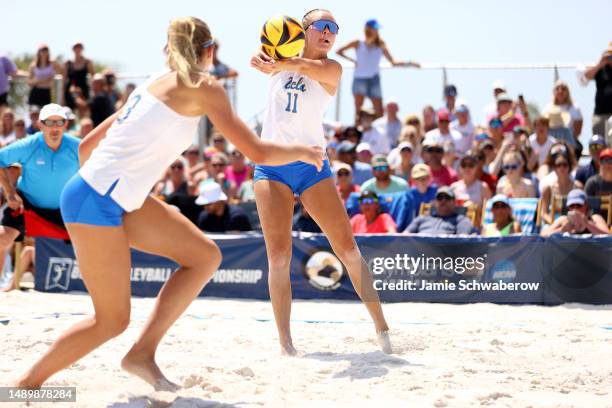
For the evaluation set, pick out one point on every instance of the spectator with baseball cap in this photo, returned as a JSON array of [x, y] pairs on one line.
[[443, 219], [601, 184], [372, 220], [366, 77], [579, 219], [450, 97], [422, 190], [364, 152], [218, 215], [433, 152], [463, 124], [597, 143], [503, 223], [405, 154], [506, 113], [347, 154], [383, 181], [444, 133], [344, 181], [49, 159]]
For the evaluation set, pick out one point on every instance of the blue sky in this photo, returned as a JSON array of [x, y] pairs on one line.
[[129, 35]]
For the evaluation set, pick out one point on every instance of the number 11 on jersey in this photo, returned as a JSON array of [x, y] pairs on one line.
[[289, 97]]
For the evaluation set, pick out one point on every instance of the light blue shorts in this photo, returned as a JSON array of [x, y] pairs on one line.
[[298, 176], [80, 203], [369, 87]]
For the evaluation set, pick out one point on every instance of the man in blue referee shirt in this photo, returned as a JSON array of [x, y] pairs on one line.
[[48, 160]]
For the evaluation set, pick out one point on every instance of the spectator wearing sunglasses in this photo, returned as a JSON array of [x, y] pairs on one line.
[[176, 189], [579, 219], [368, 53], [383, 181], [216, 173], [470, 189], [432, 156], [443, 219], [563, 164], [48, 159], [344, 182], [546, 172], [597, 143], [514, 185], [371, 220], [503, 223], [601, 184]]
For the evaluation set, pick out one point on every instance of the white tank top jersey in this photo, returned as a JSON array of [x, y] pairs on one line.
[[295, 109], [368, 60], [143, 141]]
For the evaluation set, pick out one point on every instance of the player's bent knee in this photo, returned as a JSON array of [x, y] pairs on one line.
[[113, 325]]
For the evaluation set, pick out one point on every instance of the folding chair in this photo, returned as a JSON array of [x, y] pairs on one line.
[[524, 210]]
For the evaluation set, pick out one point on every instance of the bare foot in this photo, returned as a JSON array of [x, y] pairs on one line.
[[9, 287], [287, 349], [145, 368], [384, 341]]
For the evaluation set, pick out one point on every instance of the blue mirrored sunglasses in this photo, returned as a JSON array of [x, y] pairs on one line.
[[368, 200], [321, 25]]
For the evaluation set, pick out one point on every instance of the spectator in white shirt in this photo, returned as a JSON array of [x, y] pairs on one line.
[[444, 133], [541, 141], [390, 125], [369, 134], [463, 124]]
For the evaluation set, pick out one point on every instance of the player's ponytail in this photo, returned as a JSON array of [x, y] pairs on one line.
[[187, 39]]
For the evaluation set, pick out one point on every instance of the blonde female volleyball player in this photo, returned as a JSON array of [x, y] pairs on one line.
[[107, 208], [300, 90]]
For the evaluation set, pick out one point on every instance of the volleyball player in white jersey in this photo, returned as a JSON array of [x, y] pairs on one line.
[[107, 209], [300, 90]]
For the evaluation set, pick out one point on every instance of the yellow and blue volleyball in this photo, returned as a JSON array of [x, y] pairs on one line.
[[282, 37]]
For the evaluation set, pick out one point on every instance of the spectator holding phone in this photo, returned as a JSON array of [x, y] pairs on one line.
[[578, 220]]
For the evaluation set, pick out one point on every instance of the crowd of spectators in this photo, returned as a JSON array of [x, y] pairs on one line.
[[448, 170]]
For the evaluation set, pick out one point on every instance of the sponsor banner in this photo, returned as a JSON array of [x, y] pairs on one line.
[[525, 269]]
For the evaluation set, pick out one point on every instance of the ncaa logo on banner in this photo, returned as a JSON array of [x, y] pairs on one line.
[[58, 273], [323, 270]]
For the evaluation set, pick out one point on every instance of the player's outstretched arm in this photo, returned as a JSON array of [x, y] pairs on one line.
[[219, 110]]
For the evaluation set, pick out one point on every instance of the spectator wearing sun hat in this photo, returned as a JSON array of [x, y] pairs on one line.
[[383, 181], [422, 190], [371, 135]]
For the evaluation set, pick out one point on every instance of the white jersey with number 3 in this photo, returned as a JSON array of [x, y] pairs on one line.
[[295, 110]]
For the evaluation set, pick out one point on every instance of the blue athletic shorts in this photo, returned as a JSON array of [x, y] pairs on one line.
[[369, 87], [299, 176], [80, 203]]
